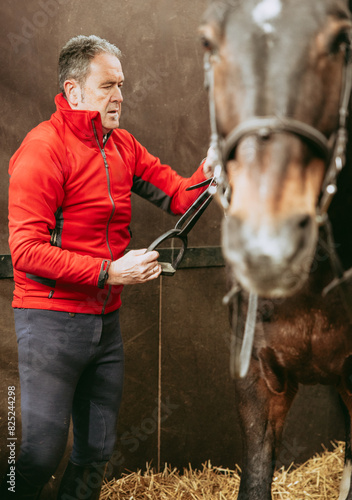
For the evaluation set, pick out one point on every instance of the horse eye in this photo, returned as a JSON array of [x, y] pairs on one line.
[[340, 41], [207, 44]]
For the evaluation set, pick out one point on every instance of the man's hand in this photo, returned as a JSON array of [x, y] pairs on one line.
[[136, 266], [210, 162]]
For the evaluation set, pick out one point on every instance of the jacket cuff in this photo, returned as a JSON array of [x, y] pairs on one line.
[[104, 273]]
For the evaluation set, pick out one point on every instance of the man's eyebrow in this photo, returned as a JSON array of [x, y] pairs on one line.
[[112, 82]]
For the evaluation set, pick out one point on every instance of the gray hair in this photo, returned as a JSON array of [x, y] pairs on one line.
[[77, 54]]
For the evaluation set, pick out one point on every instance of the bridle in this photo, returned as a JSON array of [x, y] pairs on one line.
[[332, 150]]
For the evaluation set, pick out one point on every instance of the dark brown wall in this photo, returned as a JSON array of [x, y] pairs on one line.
[[179, 321]]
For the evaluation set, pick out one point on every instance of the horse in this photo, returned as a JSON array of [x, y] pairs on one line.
[[279, 80]]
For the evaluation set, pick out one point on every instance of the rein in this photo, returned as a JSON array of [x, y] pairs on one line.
[[335, 157]]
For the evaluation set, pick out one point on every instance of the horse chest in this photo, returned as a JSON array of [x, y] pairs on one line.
[[311, 348]]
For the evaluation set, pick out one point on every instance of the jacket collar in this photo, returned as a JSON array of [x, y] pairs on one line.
[[81, 122]]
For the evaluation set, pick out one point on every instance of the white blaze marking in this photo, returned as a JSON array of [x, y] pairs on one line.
[[266, 11], [345, 481]]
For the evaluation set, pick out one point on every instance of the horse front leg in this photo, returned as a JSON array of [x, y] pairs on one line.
[[262, 411]]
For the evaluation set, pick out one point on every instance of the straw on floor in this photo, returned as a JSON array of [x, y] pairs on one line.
[[318, 478]]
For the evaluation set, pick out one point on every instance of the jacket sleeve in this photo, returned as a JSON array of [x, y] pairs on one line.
[[161, 185], [36, 191]]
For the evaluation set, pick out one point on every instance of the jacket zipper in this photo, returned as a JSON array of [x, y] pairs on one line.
[[106, 165]]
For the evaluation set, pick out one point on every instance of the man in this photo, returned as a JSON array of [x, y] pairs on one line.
[[69, 215]]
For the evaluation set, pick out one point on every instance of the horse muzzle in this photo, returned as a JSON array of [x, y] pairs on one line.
[[273, 259]]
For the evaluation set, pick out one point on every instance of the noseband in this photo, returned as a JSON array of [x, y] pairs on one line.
[[332, 150]]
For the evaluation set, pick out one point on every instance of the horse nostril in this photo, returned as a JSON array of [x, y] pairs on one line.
[[304, 222]]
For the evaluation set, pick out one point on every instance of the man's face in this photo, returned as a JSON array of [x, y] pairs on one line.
[[102, 90]]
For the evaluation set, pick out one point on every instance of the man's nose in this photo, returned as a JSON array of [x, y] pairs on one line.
[[117, 95]]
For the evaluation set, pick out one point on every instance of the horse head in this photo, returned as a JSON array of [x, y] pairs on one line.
[[278, 77]]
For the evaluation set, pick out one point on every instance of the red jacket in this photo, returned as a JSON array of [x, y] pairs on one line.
[[70, 208]]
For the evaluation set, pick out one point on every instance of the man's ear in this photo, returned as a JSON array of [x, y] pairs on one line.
[[72, 92]]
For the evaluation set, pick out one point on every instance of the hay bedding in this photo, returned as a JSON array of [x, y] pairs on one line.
[[319, 478]]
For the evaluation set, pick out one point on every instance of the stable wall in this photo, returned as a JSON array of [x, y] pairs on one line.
[[175, 329]]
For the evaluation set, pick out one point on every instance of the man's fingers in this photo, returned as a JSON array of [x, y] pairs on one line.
[[154, 272], [140, 251], [148, 256], [149, 268], [137, 266], [151, 256]]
